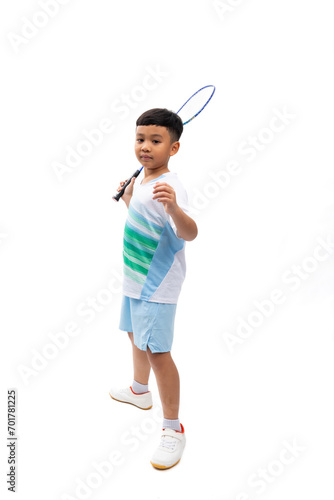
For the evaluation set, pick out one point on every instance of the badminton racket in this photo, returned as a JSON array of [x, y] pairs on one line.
[[188, 111]]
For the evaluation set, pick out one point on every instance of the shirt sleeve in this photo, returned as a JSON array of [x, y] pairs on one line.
[[182, 201]]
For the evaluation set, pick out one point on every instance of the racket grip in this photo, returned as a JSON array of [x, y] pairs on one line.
[[120, 193]]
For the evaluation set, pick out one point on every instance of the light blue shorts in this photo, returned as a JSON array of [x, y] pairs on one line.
[[152, 323]]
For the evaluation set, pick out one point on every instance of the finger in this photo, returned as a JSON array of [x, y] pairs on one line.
[[163, 189], [164, 200], [159, 198], [162, 193]]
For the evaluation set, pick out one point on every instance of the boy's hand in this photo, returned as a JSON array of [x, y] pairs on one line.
[[185, 225], [165, 194], [128, 191]]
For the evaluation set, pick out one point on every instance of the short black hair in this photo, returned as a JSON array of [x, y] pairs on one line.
[[163, 117]]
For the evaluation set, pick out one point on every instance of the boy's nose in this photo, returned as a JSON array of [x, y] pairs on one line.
[[145, 146]]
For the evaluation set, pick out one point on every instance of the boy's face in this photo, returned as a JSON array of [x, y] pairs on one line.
[[153, 146]]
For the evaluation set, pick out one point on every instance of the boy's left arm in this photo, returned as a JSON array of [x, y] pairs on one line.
[[185, 225]]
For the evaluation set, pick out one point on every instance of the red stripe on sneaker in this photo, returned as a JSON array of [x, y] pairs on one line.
[[181, 431], [138, 393]]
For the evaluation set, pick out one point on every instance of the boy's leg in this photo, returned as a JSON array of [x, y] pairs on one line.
[[168, 381], [141, 364], [170, 449], [137, 394]]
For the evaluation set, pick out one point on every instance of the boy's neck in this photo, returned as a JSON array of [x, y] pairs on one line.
[[151, 174]]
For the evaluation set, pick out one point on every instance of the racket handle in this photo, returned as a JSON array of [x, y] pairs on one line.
[[120, 193]]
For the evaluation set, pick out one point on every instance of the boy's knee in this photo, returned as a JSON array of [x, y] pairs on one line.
[[130, 334], [157, 359]]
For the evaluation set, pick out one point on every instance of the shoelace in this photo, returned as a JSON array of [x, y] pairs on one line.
[[168, 442]]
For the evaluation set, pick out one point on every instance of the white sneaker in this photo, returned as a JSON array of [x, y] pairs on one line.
[[170, 450], [142, 401]]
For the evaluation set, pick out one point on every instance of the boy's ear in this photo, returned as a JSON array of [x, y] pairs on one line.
[[174, 148]]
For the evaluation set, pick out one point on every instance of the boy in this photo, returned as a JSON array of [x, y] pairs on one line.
[[155, 232]]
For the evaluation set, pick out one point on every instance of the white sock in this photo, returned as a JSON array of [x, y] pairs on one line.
[[172, 424], [139, 388]]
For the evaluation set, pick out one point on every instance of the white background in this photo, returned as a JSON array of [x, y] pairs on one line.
[[61, 244]]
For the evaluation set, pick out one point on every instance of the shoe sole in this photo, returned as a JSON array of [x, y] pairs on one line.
[[128, 402], [162, 467]]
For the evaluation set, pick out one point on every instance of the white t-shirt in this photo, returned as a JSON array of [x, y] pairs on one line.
[[154, 265]]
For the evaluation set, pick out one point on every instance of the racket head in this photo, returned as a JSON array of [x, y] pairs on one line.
[[196, 103]]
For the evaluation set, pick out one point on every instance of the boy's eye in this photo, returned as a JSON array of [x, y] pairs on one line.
[[155, 141]]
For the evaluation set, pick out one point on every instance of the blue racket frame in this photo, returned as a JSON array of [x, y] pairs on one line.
[[207, 102]]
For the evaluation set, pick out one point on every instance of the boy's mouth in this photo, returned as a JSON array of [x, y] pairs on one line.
[[146, 157]]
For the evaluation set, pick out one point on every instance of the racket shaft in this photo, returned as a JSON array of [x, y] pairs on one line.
[[120, 193]]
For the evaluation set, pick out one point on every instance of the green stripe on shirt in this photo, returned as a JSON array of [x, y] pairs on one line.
[[146, 242], [134, 266], [138, 252]]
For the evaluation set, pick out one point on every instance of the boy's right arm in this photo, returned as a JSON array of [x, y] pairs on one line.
[[128, 191]]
